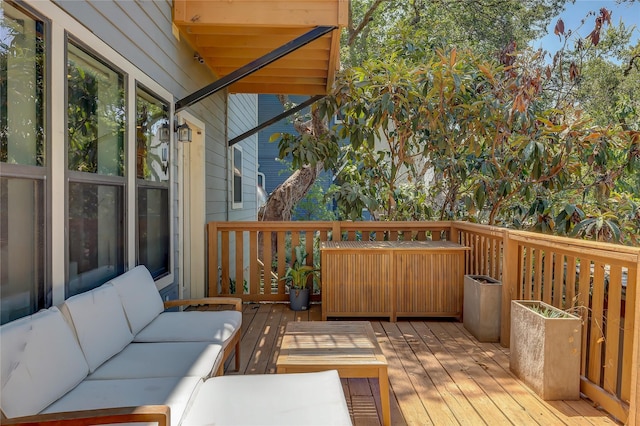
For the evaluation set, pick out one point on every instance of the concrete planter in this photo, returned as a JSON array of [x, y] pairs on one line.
[[482, 304], [545, 349]]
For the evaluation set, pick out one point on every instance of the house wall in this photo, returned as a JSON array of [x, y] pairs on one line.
[[275, 171], [243, 116], [141, 33]]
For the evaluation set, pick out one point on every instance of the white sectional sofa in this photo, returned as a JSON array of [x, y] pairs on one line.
[[114, 355]]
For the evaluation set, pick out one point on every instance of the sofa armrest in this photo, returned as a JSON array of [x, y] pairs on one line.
[[147, 413], [235, 301]]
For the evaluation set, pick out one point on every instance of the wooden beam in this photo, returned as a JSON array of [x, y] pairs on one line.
[[334, 59], [283, 13]]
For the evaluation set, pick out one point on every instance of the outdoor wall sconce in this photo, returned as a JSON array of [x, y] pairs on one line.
[[184, 132], [164, 134]]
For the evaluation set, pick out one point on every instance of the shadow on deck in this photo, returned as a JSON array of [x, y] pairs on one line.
[[438, 373]]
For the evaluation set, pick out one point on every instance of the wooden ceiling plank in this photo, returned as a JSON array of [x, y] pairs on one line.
[[250, 53], [281, 72], [207, 29], [270, 42], [276, 89], [280, 63]]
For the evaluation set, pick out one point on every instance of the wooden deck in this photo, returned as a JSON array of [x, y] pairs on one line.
[[439, 375]]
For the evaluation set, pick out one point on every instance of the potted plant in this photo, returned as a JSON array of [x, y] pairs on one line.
[[545, 349], [297, 279], [482, 307]]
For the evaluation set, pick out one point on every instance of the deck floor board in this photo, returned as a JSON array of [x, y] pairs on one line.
[[438, 374]]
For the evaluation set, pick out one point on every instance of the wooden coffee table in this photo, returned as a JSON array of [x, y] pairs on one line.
[[350, 347]]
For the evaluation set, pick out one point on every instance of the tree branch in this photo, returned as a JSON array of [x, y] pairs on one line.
[[368, 17]]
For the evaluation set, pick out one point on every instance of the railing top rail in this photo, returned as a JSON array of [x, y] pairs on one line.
[[274, 225], [631, 254], [391, 226], [343, 225], [495, 231]]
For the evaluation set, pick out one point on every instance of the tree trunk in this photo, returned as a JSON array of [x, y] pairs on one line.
[[284, 198]]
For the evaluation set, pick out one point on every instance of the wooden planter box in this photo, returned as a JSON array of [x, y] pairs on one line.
[[545, 352], [482, 307]]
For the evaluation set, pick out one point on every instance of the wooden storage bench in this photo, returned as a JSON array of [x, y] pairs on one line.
[[392, 279]]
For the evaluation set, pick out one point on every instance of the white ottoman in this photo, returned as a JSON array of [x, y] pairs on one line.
[[270, 399]]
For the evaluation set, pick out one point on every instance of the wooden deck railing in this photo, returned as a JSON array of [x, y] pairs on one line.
[[598, 281]]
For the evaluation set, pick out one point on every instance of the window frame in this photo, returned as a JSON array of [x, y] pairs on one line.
[[236, 205], [150, 184], [41, 173], [91, 178]]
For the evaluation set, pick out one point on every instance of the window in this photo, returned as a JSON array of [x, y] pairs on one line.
[[24, 285], [152, 172], [95, 170], [261, 180], [236, 183]]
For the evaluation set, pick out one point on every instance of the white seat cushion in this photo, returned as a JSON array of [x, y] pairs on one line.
[[175, 392], [40, 361], [139, 296], [171, 359], [192, 326], [100, 324], [270, 399]]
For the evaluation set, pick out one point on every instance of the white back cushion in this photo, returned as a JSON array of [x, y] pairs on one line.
[[139, 296], [100, 324], [40, 361]]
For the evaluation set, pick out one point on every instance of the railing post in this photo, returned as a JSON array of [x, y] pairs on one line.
[[509, 278], [212, 270], [634, 403], [454, 233], [336, 232]]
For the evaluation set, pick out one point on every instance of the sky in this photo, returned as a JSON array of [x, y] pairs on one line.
[[629, 13]]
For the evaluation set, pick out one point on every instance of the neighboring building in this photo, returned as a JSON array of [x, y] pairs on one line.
[[93, 179]]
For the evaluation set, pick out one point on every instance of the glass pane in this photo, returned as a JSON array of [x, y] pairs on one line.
[[96, 235], [96, 115], [152, 138], [237, 175], [22, 88], [22, 248], [153, 230]]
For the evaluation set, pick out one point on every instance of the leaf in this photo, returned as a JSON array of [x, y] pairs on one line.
[[274, 137], [485, 70], [594, 36], [559, 28], [574, 72]]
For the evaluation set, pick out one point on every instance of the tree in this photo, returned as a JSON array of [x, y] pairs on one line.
[[379, 27], [484, 130]]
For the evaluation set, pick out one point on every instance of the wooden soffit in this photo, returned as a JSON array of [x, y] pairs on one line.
[[228, 34]]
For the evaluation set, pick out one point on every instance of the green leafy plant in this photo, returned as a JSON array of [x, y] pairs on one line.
[[298, 273]]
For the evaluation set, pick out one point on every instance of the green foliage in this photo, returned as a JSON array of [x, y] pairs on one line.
[[297, 275], [314, 205], [437, 132], [473, 139]]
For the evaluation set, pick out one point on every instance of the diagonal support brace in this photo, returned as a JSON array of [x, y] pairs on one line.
[[253, 66], [275, 119]]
